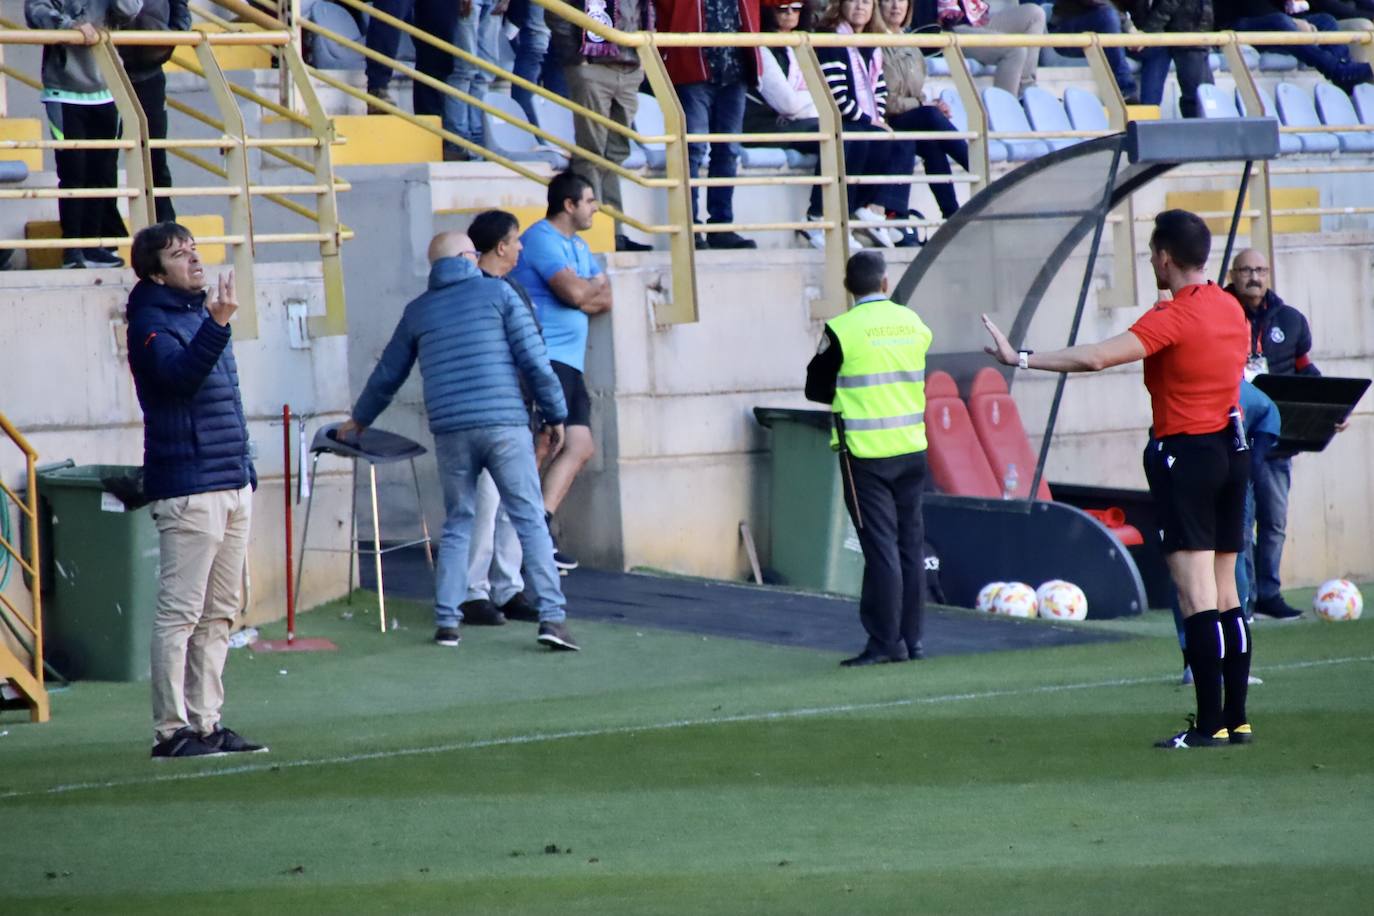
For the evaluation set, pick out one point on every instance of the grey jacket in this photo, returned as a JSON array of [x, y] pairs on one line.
[[71, 70]]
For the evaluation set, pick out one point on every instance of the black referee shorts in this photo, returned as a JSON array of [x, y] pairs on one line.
[[1199, 485], [575, 393]]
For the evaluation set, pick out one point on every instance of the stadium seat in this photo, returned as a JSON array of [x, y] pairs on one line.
[[1288, 143], [804, 162], [997, 423], [1364, 102], [1336, 110], [1271, 61], [1215, 103], [13, 170], [763, 157], [1247, 52], [511, 141], [1045, 112], [1297, 110], [1085, 110], [997, 150], [554, 118], [649, 120], [1006, 114], [958, 465]]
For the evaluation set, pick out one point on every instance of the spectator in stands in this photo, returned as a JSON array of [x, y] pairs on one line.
[[1015, 66], [568, 286], [199, 479], [904, 71], [437, 18], [1349, 16], [474, 26], [1280, 344], [475, 342], [144, 63], [605, 78], [79, 106], [1103, 17], [710, 84], [531, 46], [386, 39], [1191, 65], [1331, 61], [855, 77], [495, 587]]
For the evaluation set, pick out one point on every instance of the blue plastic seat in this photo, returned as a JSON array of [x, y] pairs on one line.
[[1085, 110], [1272, 61], [1364, 102], [1006, 114], [511, 140], [803, 162], [1297, 110], [997, 150], [1335, 110], [1288, 143], [649, 120], [1045, 112], [763, 157], [1216, 103], [12, 170]]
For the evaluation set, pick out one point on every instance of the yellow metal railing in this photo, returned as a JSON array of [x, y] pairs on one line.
[[28, 678]]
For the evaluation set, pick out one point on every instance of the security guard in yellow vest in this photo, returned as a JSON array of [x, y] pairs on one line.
[[870, 367]]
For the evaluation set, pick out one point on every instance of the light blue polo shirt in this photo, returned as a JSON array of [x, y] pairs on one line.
[[546, 252]]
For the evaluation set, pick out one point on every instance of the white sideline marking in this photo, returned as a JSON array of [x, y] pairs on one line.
[[541, 737]]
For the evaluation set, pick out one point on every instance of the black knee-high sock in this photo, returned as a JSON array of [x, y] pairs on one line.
[[1205, 650], [1235, 666]]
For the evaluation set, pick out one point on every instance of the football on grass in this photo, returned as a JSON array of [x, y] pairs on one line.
[[1064, 601], [986, 595], [1015, 599], [1338, 599]]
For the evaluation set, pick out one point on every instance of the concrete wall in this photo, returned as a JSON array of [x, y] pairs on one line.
[[65, 383]]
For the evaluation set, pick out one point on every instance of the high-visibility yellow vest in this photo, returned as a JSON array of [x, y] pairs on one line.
[[880, 394]]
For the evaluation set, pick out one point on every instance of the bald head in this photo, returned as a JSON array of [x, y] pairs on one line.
[[1250, 277], [451, 245]]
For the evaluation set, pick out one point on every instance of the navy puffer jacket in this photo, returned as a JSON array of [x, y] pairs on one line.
[[195, 438]]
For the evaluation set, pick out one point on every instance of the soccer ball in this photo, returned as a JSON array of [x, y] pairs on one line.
[[986, 596], [1338, 599], [1064, 601], [1015, 599], [1044, 590]]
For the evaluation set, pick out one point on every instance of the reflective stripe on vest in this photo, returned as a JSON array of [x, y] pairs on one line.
[[880, 390]]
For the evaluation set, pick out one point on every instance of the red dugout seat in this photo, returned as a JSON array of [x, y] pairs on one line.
[[958, 464]]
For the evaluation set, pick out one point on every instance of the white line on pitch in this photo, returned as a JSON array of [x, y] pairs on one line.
[[541, 737]]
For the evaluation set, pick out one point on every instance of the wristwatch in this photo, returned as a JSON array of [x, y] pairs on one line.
[[1023, 358]]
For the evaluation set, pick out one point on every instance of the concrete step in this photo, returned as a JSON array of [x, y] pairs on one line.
[[51, 258]]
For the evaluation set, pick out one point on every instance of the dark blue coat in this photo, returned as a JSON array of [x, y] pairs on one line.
[[195, 438]]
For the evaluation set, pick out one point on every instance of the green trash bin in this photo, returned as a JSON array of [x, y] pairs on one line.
[[100, 572], [814, 543]]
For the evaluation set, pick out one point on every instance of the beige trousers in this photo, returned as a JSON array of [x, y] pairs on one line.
[[203, 542], [612, 90], [1015, 66]]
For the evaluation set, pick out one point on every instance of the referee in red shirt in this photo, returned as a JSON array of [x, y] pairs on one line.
[[1194, 346]]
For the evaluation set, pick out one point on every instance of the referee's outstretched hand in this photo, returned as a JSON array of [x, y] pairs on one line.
[[1001, 348]]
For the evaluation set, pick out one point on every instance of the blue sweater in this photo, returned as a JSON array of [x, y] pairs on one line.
[[195, 438], [474, 339]]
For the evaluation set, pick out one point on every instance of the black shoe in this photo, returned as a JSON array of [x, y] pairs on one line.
[[186, 742], [1275, 607], [447, 636], [1191, 738], [102, 257], [480, 612], [624, 243], [864, 659], [556, 636], [561, 559], [73, 259], [519, 608], [231, 742], [729, 240], [916, 651], [701, 241], [1242, 734]]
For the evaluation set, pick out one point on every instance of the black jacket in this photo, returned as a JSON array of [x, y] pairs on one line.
[[144, 61], [195, 436], [1280, 334]]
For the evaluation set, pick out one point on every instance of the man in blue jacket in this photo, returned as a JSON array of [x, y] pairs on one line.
[[475, 340], [199, 477]]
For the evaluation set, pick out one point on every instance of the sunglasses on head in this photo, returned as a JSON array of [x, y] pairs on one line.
[[791, 7]]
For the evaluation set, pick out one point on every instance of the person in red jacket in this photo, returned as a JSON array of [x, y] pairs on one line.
[[710, 84]]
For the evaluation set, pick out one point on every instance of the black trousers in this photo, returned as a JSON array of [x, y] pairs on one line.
[[86, 168], [152, 95], [883, 496]]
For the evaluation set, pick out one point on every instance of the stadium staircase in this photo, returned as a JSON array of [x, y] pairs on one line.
[[26, 630]]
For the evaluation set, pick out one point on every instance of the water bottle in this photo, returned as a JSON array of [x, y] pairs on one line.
[[1009, 482]]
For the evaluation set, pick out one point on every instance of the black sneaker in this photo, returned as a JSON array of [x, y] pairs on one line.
[[231, 742], [447, 636], [73, 259], [556, 637], [480, 612], [729, 240], [561, 559], [1191, 738], [625, 243], [519, 608], [186, 742], [1242, 734], [101, 257], [1275, 607]]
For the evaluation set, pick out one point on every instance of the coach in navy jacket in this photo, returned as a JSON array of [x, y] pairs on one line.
[[197, 472]]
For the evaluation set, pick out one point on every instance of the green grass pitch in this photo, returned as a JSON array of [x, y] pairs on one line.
[[664, 773]]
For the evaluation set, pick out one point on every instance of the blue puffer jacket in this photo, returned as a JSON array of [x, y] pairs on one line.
[[475, 340], [195, 438]]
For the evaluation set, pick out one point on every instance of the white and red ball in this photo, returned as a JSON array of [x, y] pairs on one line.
[[1064, 601], [1044, 590], [1338, 599], [986, 596], [1015, 599]]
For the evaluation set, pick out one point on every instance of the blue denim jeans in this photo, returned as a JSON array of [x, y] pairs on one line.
[[531, 47], [1105, 21], [1271, 482], [494, 555], [1191, 67], [385, 39], [1328, 60], [477, 33], [709, 108], [507, 452]]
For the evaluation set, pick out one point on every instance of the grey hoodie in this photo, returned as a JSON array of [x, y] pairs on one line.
[[70, 72]]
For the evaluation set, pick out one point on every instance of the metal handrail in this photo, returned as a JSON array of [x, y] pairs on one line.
[[28, 505]]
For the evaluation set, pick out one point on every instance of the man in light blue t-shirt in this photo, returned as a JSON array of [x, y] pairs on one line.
[[567, 286]]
